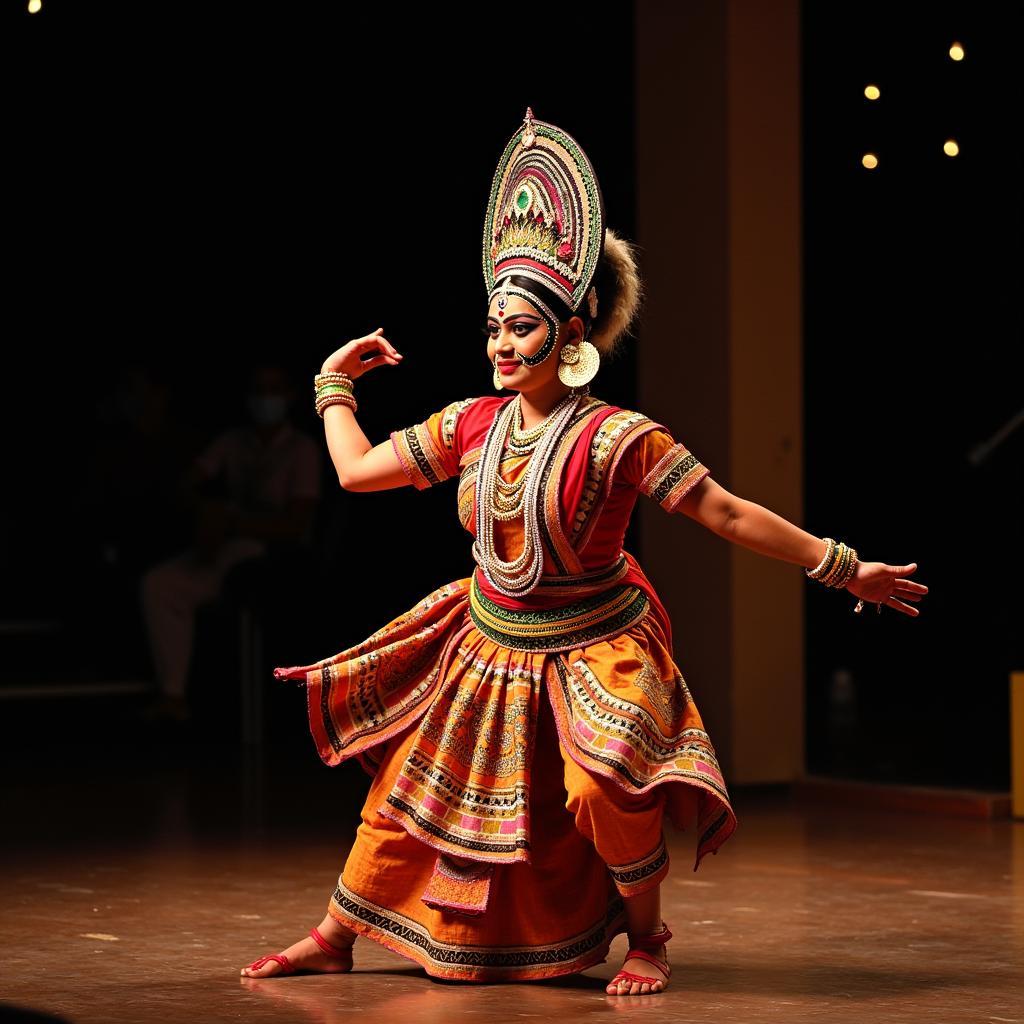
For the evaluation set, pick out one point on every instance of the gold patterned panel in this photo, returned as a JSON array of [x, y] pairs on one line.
[[448, 421], [667, 696], [607, 446]]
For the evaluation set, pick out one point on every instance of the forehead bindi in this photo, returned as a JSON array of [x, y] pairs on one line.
[[515, 306]]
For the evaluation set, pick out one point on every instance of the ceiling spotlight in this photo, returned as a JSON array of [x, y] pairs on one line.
[[956, 51], [869, 160], [872, 92], [950, 148]]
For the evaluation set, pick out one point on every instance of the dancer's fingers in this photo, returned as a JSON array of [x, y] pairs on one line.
[[908, 585], [894, 602]]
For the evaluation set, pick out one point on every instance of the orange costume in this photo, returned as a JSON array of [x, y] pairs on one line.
[[542, 737]]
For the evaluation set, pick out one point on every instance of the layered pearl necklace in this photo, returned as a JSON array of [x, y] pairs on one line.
[[497, 499], [508, 497]]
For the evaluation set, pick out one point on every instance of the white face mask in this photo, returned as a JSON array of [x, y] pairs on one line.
[[268, 409]]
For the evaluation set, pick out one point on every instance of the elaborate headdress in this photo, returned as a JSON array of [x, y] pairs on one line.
[[545, 228]]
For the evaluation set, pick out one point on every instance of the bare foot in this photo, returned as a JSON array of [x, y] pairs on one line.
[[626, 987], [306, 954]]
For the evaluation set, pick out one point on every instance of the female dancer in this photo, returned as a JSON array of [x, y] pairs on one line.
[[526, 728]]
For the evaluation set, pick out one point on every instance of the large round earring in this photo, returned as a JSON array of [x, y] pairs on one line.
[[578, 364], [497, 376]]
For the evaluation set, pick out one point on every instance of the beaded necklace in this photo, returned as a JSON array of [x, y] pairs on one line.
[[521, 575], [508, 497], [522, 441]]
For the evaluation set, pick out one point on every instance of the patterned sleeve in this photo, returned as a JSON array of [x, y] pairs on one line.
[[662, 468], [429, 451]]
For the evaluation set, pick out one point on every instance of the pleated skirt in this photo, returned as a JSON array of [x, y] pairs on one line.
[[554, 771]]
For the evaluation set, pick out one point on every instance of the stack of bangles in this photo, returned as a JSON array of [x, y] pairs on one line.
[[333, 389], [836, 569]]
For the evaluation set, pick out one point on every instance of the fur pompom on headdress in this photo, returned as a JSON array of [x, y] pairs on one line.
[[620, 297]]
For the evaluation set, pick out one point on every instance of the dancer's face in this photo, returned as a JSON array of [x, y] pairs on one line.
[[520, 330]]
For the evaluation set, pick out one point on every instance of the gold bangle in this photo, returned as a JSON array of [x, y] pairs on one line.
[[838, 565], [336, 400], [335, 396], [822, 567]]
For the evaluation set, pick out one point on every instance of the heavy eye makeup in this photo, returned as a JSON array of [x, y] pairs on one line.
[[528, 327]]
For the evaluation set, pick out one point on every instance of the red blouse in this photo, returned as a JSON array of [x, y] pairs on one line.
[[610, 456]]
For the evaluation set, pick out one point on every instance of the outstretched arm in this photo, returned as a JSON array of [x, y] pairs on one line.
[[745, 522], [758, 528]]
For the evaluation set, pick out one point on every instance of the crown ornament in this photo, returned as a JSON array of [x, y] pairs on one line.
[[545, 214]]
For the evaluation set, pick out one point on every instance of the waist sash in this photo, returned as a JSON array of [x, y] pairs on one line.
[[589, 620]]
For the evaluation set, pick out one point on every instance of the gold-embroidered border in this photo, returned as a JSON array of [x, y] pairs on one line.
[[421, 459], [673, 477], [422, 462], [638, 876], [587, 621], [687, 754], [475, 962], [623, 429]]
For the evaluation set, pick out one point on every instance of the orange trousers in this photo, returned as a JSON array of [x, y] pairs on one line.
[[592, 845], [626, 830]]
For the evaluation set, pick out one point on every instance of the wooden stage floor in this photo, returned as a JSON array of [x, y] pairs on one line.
[[135, 891]]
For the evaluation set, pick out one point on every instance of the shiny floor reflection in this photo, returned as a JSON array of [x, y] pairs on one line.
[[136, 895]]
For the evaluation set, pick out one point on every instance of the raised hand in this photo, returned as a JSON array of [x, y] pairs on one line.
[[349, 358], [884, 584]]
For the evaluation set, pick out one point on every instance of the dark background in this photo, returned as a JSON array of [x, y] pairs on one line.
[[912, 361], [192, 187]]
